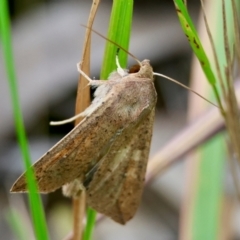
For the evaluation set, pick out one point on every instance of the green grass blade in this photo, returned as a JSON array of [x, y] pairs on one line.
[[195, 43], [34, 198], [16, 224], [207, 201], [91, 217], [119, 32]]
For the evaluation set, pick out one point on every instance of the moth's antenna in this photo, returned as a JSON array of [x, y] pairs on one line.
[[116, 44], [184, 86]]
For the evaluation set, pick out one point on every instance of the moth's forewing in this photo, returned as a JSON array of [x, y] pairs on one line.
[[116, 186], [131, 192], [79, 150]]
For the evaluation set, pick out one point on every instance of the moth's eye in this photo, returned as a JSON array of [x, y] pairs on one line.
[[134, 69]]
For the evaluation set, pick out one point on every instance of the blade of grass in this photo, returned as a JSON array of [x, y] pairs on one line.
[[119, 31], [195, 43], [208, 191], [34, 198], [15, 222], [91, 218]]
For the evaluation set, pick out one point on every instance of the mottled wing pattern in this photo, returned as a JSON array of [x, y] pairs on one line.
[[74, 155], [88, 142], [117, 185]]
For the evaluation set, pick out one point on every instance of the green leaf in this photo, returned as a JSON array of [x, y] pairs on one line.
[[194, 41], [34, 198], [16, 224], [209, 189], [119, 31], [91, 217]]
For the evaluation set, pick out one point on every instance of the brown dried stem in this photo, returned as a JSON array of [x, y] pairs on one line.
[[82, 102], [232, 113]]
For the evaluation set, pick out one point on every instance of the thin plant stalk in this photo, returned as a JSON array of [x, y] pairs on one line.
[[82, 102], [37, 213]]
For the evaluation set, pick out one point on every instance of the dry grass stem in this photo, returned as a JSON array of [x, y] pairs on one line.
[[214, 55], [82, 102]]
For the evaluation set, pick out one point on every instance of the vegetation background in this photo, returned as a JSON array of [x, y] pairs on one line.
[[47, 43]]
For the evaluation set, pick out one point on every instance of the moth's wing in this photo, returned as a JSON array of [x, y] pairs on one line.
[[90, 140], [77, 152], [116, 186]]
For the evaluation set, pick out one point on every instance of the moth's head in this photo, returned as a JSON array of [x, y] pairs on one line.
[[143, 69]]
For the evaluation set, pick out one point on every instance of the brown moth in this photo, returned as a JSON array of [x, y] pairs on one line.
[[107, 152]]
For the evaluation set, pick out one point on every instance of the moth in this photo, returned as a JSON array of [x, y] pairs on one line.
[[107, 152]]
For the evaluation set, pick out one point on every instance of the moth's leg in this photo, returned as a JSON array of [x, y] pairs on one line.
[[73, 189], [55, 123], [91, 82]]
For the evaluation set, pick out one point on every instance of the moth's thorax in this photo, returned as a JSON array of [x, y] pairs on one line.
[[145, 71]]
